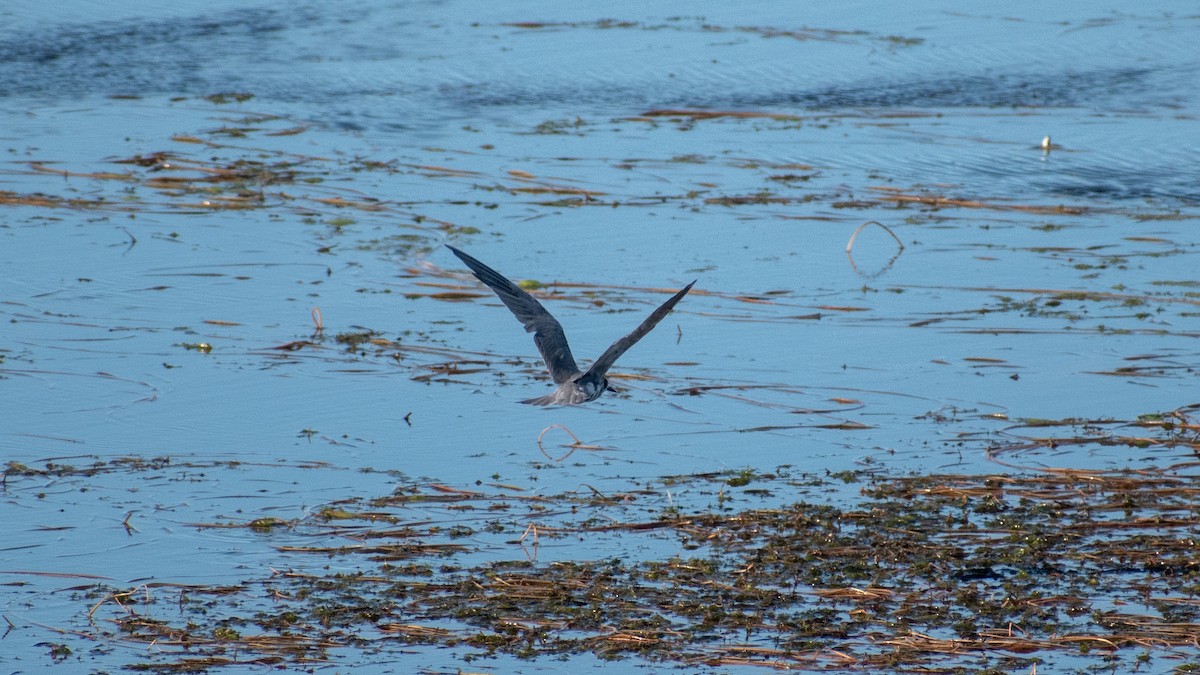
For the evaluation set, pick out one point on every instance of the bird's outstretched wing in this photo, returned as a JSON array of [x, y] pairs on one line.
[[547, 331], [610, 355]]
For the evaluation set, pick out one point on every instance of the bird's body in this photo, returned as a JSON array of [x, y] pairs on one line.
[[574, 386], [572, 392]]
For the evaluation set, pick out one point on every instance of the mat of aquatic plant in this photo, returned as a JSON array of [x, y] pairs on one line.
[[783, 569]]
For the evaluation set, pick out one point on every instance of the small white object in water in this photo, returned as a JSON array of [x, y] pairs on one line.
[[1046, 142]]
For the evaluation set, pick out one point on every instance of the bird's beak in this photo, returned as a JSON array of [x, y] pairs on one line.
[[609, 388]]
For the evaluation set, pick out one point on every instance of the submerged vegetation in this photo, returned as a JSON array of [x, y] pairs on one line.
[[917, 573]]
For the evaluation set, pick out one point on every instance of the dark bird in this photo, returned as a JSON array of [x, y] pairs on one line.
[[573, 386]]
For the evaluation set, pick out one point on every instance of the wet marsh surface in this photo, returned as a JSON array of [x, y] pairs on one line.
[[256, 415]]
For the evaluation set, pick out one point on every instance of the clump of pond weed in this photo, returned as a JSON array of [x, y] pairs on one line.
[[916, 573]]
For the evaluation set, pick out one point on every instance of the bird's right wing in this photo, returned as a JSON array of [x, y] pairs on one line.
[[547, 331]]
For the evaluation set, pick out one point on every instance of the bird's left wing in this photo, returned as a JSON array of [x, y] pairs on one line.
[[610, 355]]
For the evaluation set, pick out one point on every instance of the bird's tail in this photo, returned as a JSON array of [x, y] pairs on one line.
[[548, 399]]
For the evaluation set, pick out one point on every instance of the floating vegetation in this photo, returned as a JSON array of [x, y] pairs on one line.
[[769, 569], [715, 114], [232, 177], [689, 24], [898, 196], [229, 97], [202, 347]]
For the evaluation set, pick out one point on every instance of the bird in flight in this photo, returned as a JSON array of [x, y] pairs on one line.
[[574, 386]]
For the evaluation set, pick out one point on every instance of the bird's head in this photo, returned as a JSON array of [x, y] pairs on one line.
[[593, 389]]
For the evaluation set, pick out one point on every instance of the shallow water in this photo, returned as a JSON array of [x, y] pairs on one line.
[[525, 135]]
